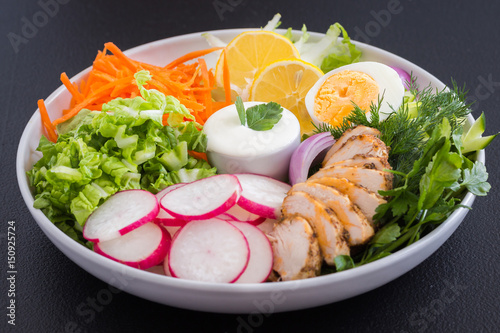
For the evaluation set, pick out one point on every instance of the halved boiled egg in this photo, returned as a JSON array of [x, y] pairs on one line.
[[362, 83]]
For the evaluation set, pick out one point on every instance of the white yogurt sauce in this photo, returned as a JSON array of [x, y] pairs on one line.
[[234, 148]]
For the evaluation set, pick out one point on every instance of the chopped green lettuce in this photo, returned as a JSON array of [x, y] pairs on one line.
[[125, 146], [341, 53], [274, 23], [329, 52]]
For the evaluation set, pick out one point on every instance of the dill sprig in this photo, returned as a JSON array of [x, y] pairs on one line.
[[407, 129]]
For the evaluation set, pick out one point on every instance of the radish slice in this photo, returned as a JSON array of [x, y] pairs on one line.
[[164, 218], [123, 212], [202, 199], [165, 269], [160, 194], [236, 213], [208, 250], [262, 195], [141, 248], [168, 220], [260, 263]]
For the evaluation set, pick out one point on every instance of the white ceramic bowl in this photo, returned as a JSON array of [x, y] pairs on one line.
[[229, 298]]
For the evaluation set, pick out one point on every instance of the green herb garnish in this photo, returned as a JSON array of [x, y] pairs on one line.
[[241, 110], [261, 117], [431, 167]]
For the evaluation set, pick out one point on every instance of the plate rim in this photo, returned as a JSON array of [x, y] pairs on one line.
[[448, 226]]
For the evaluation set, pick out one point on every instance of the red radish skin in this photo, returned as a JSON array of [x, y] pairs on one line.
[[165, 268], [237, 213], [121, 213], [260, 263], [204, 198], [231, 218], [262, 195], [209, 250], [163, 218], [160, 194], [141, 248]]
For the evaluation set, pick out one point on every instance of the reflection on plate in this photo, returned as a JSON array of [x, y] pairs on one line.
[[230, 298]]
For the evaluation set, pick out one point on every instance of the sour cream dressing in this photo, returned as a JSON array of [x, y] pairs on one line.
[[234, 148]]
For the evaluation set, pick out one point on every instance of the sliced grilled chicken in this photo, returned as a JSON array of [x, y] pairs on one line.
[[351, 217], [364, 161], [267, 226], [373, 180], [363, 144], [358, 130], [296, 249], [366, 200], [331, 234]]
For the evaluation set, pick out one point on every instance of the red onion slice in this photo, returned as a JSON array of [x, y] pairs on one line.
[[309, 152], [404, 76]]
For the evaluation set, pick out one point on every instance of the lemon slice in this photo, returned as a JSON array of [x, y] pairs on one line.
[[248, 53], [287, 82]]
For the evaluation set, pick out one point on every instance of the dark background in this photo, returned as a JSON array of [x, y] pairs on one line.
[[455, 290]]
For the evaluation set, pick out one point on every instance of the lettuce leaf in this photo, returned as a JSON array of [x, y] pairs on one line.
[[125, 146], [328, 53], [341, 54]]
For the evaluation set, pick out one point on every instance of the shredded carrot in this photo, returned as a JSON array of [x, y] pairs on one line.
[[227, 80], [191, 104], [51, 132], [102, 91], [120, 55], [206, 83], [71, 88], [112, 76], [197, 155], [191, 56]]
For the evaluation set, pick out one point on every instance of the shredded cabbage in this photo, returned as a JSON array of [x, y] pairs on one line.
[[125, 146]]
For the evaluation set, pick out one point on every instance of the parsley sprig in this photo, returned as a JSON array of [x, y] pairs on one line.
[[431, 172], [261, 117]]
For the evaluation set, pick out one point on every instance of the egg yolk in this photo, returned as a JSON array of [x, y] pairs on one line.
[[337, 94]]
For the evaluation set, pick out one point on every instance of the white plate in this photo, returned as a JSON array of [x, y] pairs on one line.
[[230, 298]]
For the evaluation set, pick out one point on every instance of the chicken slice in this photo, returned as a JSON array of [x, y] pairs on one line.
[[295, 248], [351, 217], [363, 144], [364, 161], [374, 180], [355, 131], [366, 200], [331, 234], [267, 226]]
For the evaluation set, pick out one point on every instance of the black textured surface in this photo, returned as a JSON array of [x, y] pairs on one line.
[[455, 290]]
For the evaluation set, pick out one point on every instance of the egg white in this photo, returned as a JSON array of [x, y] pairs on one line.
[[391, 87]]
